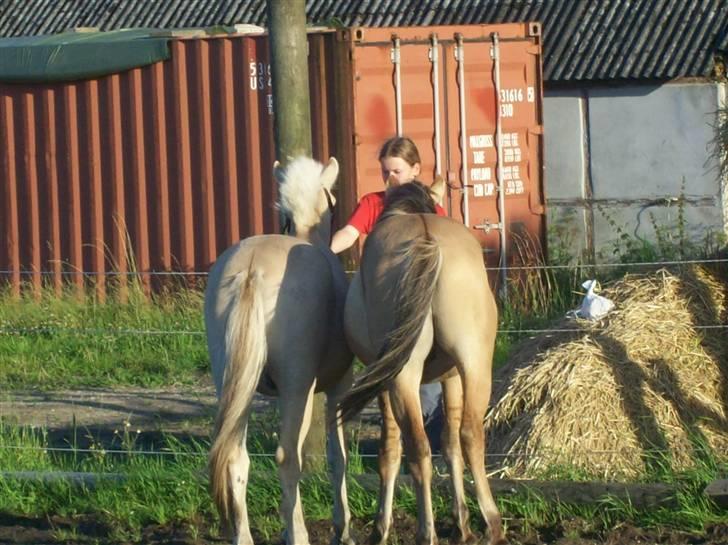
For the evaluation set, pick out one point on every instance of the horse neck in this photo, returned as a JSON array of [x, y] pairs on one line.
[[319, 236]]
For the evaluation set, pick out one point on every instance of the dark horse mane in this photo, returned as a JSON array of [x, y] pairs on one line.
[[411, 198]]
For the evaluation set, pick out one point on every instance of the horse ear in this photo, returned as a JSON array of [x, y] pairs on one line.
[[438, 189], [278, 172], [329, 174]]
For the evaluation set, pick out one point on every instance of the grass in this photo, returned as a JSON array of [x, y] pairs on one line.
[[692, 512], [159, 489], [53, 341], [60, 342], [63, 342]]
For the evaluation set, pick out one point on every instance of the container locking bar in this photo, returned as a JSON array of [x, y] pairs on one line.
[[396, 60], [495, 55], [435, 60], [460, 57]]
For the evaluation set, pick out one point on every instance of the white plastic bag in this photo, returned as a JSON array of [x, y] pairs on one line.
[[593, 306]]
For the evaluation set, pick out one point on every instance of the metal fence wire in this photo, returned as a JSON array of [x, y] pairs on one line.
[[45, 330], [41, 330]]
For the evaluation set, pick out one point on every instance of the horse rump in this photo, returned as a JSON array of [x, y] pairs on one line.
[[419, 268]]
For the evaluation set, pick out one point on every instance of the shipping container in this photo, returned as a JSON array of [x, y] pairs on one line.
[[159, 168], [471, 99]]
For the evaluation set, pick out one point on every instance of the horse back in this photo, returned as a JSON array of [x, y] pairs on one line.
[[463, 300], [301, 296]]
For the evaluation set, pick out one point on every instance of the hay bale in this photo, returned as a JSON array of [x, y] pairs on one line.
[[607, 397]]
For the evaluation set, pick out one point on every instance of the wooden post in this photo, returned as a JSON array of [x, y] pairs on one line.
[[289, 67], [718, 492], [292, 123]]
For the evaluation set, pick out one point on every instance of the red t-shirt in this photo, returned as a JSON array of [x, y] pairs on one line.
[[368, 210]]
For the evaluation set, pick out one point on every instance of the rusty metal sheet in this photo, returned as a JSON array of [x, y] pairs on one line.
[[156, 169]]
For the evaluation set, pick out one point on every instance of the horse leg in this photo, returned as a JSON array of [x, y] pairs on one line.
[[390, 456], [296, 407], [407, 411], [238, 470], [405, 398], [476, 396], [336, 455], [452, 394]]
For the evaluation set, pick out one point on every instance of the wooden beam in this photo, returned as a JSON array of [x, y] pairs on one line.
[[639, 495], [718, 492]]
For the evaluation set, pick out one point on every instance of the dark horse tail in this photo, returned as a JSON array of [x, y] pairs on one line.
[[420, 270]]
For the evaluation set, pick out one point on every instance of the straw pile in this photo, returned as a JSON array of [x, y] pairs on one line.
[[612, 396]]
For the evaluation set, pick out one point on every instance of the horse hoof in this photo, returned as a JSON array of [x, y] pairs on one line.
[[342, 541], [471, 539], [375, 538]]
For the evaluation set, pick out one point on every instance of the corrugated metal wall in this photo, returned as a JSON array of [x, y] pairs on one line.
[[155, 169]]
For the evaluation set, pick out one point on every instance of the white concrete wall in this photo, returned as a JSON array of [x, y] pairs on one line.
[[628, 151]]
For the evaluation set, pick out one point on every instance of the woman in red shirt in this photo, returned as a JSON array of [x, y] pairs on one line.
[[400, 162]]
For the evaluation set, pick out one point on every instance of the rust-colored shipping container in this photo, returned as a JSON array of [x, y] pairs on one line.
[[155, 169], [158, 169], [471, 99]]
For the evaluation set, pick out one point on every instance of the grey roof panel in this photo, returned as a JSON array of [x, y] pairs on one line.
[[582, 40]]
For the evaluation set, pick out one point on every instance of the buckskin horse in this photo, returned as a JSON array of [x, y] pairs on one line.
[[420, 309], [274, 321]]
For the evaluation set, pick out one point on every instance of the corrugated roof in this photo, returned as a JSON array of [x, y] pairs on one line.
[[583, 40]]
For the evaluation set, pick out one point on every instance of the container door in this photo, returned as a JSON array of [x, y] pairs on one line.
[[471, 99], [495, 108]]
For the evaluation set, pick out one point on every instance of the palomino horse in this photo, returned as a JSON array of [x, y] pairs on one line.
[[420, 309], [274, 319]]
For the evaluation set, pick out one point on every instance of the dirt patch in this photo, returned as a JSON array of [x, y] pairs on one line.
[[84, 530], [83, 417], [171, 409]]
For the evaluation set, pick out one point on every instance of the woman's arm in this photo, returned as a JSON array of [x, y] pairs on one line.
[[344, 238]]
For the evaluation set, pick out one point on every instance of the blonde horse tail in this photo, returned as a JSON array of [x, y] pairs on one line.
[[245, 353], [421, 265]]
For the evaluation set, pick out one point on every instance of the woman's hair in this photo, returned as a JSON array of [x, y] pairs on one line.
[[402, 147]]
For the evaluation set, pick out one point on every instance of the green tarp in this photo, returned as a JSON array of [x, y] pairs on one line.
[[81, 55]]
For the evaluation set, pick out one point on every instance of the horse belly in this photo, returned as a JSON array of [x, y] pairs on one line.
[[297, 334], [438, 366]]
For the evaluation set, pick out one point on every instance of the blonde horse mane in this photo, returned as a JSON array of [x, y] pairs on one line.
[[301, 182]]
